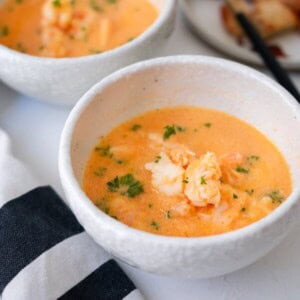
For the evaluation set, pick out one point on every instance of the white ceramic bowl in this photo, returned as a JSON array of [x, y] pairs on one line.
[[171, 81], [65, 80]]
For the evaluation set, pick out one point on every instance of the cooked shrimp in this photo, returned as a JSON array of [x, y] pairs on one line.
[[57, 15], [229, 163], [203, 186], [167, 177]]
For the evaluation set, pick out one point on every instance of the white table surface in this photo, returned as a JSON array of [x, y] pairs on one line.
[[35, 130]]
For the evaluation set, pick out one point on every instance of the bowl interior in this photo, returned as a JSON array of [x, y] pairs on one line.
[[197, 81]]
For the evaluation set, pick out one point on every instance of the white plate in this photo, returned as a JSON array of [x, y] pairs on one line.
[[205, 17]]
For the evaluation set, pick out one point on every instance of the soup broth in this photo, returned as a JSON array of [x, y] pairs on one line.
[[186, 171]]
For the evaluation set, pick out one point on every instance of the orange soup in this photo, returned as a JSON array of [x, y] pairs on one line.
[[186, 171], [70, 28]]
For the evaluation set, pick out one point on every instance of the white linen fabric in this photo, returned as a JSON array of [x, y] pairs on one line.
[[45, 253]]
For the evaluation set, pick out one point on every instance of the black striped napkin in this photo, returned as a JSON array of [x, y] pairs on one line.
[[44, 251]]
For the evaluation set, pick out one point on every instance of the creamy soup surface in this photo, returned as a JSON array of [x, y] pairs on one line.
[[70, 28], [186, 171]]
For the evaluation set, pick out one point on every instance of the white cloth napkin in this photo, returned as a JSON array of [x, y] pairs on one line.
[[44, 251]]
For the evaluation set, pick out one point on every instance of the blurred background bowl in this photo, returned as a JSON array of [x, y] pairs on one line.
[[64, 80]]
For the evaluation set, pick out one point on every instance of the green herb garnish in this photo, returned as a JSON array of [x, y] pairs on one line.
[[202, 180], [207, 125], [95, 51], [114, 184], [4, 31], [157, 158], [186, 180], [235, 196], [126, 185], [104, 151], [154, 225], [20, 47], [180, 129], [168, 214], [95, 6], [243, 209], [100, 171], [169, 130], [111, 1], [135, 127], [251, 159], [275, 196], [56, 3], [242, 170], [249, 192]]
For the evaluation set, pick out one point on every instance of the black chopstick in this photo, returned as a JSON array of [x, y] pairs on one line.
[[271, 62]]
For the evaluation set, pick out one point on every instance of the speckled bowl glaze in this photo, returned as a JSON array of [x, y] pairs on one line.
[[65, 80], [171, 81]]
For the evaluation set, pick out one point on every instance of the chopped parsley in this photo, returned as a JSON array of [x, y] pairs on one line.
[[235, 196], [4, 31], [275, 196], [104, 151], [249, 192], [172, 130], [157, 158], [56, 3], [168, 214], [169, 130], [100, 171], [154, 225], [207, 125], [19, 1], [20, 47], [243, 209], [111, 1], [202, 180], [135, 127], [119, 161], [186, 180], [251, 159], [95, 6], [241, 169], [180, 129], [95, 51], [126, 185]]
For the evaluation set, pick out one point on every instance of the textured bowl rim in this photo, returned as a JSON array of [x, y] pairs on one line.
[[68, 179], [152, 30]]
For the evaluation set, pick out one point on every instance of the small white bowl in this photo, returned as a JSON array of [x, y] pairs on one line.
[[171, 81], [65, 80]]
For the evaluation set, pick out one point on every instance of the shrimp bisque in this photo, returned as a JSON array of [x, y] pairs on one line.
[[186, 171], [72, 28]]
